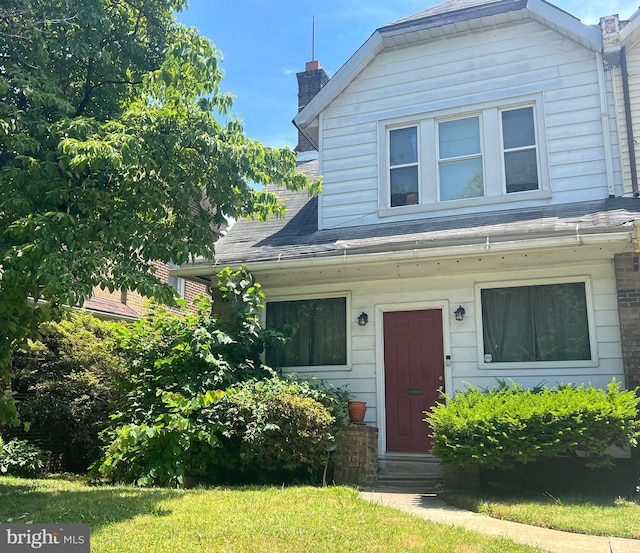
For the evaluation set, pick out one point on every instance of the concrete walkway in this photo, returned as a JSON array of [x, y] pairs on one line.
[[429, 507]]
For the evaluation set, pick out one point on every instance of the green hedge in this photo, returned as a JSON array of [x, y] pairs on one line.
[[501, 427]]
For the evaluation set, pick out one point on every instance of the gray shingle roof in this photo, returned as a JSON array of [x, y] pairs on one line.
[[456, 10], [297, 236]]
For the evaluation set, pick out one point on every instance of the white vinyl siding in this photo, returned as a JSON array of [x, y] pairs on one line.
[[453, 282], [507, 64]]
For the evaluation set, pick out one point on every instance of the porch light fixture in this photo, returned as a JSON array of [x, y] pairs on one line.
[[363, 319], [459, 313]]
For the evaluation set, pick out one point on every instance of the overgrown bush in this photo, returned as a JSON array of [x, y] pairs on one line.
[[175, 425], [178, 444], [190, 353], [68, 383], [501, 427], [278, 429], [21, 458]]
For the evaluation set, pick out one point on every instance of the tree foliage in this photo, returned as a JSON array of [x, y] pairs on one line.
[[69, 381], [110, 140]]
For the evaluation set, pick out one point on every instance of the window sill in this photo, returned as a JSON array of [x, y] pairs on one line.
[[470, 202], [317, 369], [539, 365]]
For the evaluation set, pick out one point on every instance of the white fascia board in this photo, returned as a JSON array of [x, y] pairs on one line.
[[306, 117], [553, 16]]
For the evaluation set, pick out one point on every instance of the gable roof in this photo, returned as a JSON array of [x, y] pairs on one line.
[[449, 18]]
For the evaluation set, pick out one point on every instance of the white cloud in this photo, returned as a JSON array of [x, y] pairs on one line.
[[288, 72]]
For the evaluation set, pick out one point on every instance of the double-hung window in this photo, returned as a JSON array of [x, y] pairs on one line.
[[520, 156], [443, 159], [315, 332], [543, 323], [403, 166], [460, 159]]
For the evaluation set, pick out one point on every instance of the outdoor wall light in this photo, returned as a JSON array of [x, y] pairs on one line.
[[363, 319], [459, 313]]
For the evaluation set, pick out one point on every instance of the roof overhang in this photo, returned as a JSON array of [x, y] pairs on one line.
[[206, 271], [411, 32]]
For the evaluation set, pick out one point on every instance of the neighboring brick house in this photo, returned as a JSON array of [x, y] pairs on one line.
[[477, 220], [131, 305]]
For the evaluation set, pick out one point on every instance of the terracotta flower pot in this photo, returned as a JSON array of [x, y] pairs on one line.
[[357, 409]]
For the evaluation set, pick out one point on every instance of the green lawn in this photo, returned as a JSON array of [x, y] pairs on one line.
[[596, 515], [269, 519]]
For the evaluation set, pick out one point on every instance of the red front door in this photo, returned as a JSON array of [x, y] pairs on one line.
[[413, 372]]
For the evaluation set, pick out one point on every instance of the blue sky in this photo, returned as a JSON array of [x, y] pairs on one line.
[[264, 44]]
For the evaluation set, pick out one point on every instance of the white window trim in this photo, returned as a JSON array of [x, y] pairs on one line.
[[416, 164], [313, 369], [180, 282], [491, 133], [481, 154], [593, 342]]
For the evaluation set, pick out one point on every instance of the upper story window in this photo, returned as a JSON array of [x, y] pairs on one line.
[[403, 166], [177, 283], [444, 160], [460, 159], [519, 143]]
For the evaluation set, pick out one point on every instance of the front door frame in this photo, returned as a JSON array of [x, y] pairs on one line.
[[380, 309]]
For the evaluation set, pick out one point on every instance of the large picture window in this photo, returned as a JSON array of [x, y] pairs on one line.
[[318, 329], [535, 323]]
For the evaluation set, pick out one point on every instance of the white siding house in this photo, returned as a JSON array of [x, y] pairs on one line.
[[471, 157]]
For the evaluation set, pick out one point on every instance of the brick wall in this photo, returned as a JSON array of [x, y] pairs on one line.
[[627, 268], [357, 456], [138, 302]]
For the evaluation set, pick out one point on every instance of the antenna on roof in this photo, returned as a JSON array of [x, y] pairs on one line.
[[313, 38]]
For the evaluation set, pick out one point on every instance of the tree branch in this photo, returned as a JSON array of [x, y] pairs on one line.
[[88, 89]]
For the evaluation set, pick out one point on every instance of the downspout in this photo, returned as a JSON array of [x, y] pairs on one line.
[[629, 122], [604, 116]]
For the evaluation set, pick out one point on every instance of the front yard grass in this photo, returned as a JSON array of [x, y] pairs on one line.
[[583, 514], [266, 519]]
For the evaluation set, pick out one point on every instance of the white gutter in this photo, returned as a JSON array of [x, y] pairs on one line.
[[443, 252]]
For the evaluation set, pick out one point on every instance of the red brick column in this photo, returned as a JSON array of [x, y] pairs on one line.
[[627, 267], [357, 456]]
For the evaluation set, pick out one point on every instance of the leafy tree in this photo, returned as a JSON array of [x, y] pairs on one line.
[[71, 380], [110, 141]]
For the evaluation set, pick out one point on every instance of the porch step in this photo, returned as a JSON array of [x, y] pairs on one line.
[[417, 473]]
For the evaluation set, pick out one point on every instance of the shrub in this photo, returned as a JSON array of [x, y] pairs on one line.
[[178, 444], [21, 458], [189, 353], [277, 428], [68, 383], [508, 425]]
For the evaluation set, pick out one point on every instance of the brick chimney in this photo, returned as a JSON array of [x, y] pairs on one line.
[[310, 81]]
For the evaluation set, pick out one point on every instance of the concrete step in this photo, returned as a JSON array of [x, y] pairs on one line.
[[419, 473], [410, 464]]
